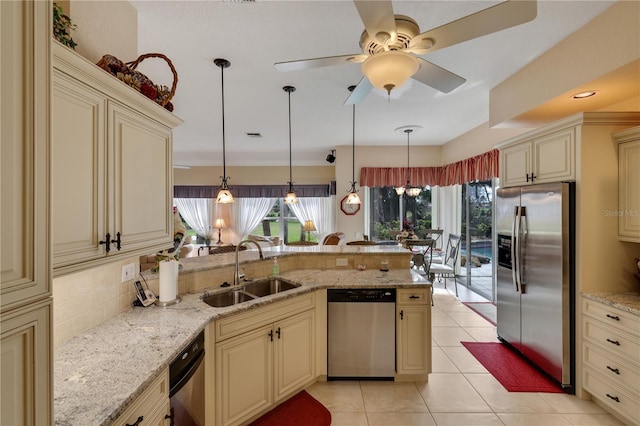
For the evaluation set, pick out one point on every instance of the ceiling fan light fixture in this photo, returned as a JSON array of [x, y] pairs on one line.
[[388, 70]]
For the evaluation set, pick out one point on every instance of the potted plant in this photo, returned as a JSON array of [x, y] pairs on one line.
[[62, 26]]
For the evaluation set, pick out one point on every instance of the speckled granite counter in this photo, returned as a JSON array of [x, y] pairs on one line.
[[97, 374], [629, 302]]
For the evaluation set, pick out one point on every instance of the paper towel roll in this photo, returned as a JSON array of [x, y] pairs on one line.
[[168, 280]]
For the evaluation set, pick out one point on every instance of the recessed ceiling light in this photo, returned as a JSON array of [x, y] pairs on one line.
[[586, 94]]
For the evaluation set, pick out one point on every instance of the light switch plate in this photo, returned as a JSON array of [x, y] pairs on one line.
[[128, 271]]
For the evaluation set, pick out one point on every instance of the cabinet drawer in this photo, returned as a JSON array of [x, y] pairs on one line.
[[150, 404], [612, 316], [246, 321], [617, 342], [613, 396], [412, 296], [610, 366]]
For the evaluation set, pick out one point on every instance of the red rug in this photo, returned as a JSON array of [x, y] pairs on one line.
[[511, 370], [300, 409]]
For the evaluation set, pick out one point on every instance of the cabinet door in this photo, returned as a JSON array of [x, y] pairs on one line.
[[515, 165], [629, 184], [244, 381], [413, 341], [554, 157], [142, 198], [294, 354], [26, 357], [24, 152], [78, 156]]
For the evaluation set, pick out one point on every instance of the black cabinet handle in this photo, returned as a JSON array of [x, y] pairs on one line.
[[140, 419], [615, 317], [107, 243], [615, 370], [401, 315], [271, 335], [414, 297], [533, 176], [615, 342], [615, 398], [528, 177], [278, 332], [117, 241]]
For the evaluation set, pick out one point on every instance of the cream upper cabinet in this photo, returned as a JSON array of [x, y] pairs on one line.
[[111, 167], [547, 158], [26, 396], [413, 334], [629, 184]]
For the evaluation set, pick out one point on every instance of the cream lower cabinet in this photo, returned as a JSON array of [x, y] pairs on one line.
[[112, 190], [610, 356], [629, 184], [151, 408], [547, 158], [270, 356], [413, 334]]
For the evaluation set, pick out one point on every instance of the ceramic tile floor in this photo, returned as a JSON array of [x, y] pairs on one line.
[[460, 391]]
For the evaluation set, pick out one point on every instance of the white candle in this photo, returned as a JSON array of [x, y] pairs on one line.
[[168, 280]]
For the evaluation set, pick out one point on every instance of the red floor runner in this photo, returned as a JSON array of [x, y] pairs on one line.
[[513, 372], [300, 409]]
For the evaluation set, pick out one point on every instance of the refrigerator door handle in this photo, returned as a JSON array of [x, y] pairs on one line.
[[522, 238], [515, 228]]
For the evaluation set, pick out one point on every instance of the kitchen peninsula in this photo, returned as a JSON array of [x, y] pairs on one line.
[[100, 373]]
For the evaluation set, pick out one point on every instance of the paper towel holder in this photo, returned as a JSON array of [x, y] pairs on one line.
[[168, 303]]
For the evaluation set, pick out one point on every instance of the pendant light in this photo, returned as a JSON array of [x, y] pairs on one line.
[[353, 197], [411, 191], [224, 194], [291, 197]]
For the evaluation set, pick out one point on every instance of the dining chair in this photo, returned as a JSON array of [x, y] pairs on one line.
[[447, 269], [333, 239], [436, 234]]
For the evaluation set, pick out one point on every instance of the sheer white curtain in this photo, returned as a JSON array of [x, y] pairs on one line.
[[248, 213], [317, 209], [196, 212]]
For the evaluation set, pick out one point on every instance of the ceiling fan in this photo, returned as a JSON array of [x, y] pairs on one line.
[[392, 45]]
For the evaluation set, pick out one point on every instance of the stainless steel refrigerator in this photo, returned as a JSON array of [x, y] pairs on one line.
[[535, 286]]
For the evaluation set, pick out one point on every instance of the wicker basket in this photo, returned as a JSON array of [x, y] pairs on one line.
[[126, 72]]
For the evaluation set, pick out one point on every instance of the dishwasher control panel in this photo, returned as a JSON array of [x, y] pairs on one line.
[[364, 295]]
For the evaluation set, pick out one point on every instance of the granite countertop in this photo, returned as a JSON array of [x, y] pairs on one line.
[[98, 373], [629, 302]]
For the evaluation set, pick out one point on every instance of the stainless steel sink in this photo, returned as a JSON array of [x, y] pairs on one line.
[[227, 298], [249, 291], [268, 286]]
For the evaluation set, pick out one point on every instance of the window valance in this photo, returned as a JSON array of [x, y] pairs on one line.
[[254, 191], [480, 167]]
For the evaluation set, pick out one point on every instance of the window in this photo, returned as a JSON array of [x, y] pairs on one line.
[[281, 222], [388, 211]]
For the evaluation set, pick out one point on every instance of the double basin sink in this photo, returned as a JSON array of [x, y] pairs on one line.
[[249, 291]]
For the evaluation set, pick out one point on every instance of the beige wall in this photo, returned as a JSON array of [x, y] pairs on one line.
[[476, 141], [114, 33]]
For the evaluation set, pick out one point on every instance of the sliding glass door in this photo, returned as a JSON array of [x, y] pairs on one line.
[[476, 251]]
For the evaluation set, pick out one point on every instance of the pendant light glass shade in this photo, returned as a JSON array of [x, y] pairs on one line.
[[291, 197], [390, 69], [224, 194], [353, 197]]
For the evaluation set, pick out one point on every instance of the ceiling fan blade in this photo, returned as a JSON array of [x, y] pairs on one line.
[[499, 17], [437, 77], [377, 17], [305, 64], [360, 92]]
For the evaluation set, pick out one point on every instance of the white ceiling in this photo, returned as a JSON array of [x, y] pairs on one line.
[[255, 35]]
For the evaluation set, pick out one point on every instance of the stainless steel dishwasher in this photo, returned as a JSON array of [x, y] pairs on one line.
[[361, 334], [186, 385]]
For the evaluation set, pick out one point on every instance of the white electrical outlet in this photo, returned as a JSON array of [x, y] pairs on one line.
[[342, 261], [127, 271]]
